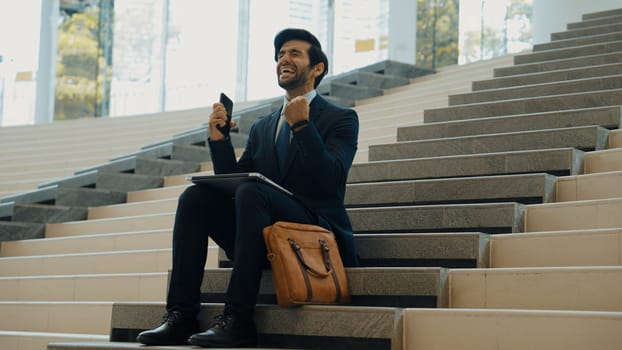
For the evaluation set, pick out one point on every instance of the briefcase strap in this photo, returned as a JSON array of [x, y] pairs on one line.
[[308, 269]]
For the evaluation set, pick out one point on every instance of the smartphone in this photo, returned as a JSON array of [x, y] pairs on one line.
[[226, 101]]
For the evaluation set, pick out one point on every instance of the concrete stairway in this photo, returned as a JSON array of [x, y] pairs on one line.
[[470, 236]]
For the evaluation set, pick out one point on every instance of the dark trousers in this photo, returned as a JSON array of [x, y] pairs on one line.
[[236, 225]]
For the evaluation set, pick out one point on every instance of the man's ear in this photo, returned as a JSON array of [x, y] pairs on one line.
[[318, 69]]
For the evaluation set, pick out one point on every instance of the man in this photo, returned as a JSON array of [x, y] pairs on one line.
[[317, 155]]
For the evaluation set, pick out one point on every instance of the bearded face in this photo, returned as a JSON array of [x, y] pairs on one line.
[[291, 78]]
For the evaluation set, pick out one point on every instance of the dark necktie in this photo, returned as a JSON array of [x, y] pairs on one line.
[[282, 144]]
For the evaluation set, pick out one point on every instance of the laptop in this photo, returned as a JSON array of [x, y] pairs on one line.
[[229, 182]]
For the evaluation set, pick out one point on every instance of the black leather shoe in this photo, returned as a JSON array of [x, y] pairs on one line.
[[228, 331], [174, 330]]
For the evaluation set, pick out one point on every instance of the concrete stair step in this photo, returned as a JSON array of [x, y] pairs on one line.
[[125, 224], [546, 288], [486, 217], [490, 329], [123, 182], [104, 345], [541, 89], [450, 250], [585, 138], [527, 105], [576, 51], [589, 247], [391, 286], [87, 197], [586, 214], [97, 287], [12, 230], [39, 340], [133, 209], [164, 167], [317, 327], [562, 64], [56, 317], [588, 31], [548, 77], [608, 117], [165, 220], [133, 261], [561, 161], [139, 240], [45, 213], [167, 192], [589, 186], [603, 161], [528, 188], [601, 14], [595, 22], [580, 41], [193, 153]]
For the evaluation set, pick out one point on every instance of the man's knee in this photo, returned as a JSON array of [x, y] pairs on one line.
[[250, 191]]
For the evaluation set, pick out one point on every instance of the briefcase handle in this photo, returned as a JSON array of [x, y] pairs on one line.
[[325, 254]]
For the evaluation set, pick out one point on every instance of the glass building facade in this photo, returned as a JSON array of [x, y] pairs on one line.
[[127, 57]]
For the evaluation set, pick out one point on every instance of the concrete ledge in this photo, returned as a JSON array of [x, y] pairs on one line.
[[488, 218], [396, 68], [600, 14], [40, 195], [122, 182], [547, 77], [88, 197], [610, 81], [599, 38], [594, 30], [608, 20], [391, 287], [42, 213], [441, 329], [586, 138], [562, 161], [528, 188], [569, 63], [125, 164], [607, 117], [449, 250], [164, 167], [12, 231], [577, 51], [525, 105], [338, 327]]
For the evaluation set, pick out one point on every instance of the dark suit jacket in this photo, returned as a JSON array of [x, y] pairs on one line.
[[316, 168]]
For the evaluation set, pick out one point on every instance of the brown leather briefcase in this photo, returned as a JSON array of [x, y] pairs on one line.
[[306, 266]]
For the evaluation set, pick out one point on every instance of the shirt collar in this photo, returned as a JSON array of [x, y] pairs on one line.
[[309, 96]]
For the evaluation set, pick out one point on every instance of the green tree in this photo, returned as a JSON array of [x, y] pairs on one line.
[[437, 33], [79, 65]]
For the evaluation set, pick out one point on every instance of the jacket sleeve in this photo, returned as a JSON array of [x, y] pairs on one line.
[[330, 155]]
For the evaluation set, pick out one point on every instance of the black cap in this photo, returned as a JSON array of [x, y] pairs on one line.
[[293, 34]]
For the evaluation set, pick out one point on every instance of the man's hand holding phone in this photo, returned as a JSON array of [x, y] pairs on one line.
[[220, 122]]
